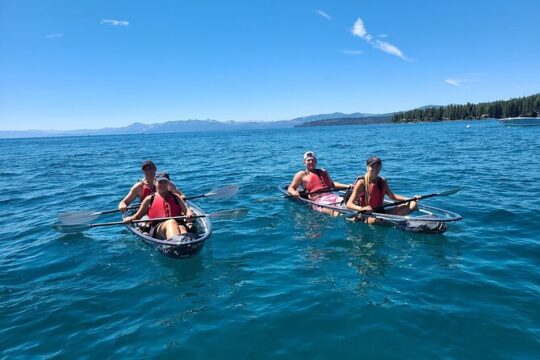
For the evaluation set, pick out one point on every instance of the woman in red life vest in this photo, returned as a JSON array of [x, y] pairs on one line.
[[145, 186], [318, 185], [164, 203], [365, 201]]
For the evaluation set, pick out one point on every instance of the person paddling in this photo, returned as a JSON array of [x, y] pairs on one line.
[[145, 186], [163, 203], [317, 185], [363, 200]]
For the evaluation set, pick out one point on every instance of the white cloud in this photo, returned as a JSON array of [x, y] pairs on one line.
[[453, 82], [359, 30], [388, 48], [353, 52], [382, 35], [52, 36], [113, 22], [323, 14]]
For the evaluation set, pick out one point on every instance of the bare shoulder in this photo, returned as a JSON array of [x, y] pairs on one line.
[[359, 184], [139, 184], [300, 174]]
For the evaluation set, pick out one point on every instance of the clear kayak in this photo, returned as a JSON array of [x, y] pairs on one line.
[[427, 219], [181, 246]]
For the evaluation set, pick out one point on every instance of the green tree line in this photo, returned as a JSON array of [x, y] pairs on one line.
[[524, 106]]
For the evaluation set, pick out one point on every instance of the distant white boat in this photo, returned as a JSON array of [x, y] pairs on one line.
[[520, 121]]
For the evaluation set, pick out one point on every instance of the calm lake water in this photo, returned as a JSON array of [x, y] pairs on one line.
[[283, 282]]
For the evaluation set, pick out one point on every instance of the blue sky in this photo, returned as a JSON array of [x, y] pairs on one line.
[[68, 64]]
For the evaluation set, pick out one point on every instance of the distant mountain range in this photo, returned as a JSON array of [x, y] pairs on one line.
[[368, 120], [209, 125]]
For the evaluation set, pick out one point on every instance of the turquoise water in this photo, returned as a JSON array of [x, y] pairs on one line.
[[283, 281]]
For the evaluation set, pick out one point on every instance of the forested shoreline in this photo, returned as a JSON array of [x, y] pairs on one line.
[[523, 106]]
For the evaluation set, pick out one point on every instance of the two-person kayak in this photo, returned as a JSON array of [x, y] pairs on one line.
[[181, 246], [426, 219]]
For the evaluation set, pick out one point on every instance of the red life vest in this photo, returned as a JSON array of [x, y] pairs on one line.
[[377, 190], [146, 190], [160, 207], [317, 180]]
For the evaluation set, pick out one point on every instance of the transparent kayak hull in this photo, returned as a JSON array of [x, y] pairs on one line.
[[181, 246], [427, 219]]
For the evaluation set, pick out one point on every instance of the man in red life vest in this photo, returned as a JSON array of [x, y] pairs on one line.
[[163, 203], [317, 185], [145, 186]]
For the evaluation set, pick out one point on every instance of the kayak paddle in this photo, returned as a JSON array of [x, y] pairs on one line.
[[442, 193], [82, 217], [222, 214]]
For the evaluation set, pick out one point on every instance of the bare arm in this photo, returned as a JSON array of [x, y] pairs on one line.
[[187, 211], [358, 188], [396, 197], [393, 196], [297, 180], [338, 185], [143, 210], [175, 190], [128, 199]]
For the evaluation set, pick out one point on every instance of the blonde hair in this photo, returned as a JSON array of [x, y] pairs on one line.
[[367, 179]]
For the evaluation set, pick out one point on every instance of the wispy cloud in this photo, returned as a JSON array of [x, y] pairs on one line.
[[464, 80], [323, 14], [352, 52], [359, 30], [453, 82], [388, 48], [113, 22], [53, 36]]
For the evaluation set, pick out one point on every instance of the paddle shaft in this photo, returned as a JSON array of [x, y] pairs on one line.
[[196, 197], [305, 193], [83, 216], [147, 220], [396, 203], [131, 207]]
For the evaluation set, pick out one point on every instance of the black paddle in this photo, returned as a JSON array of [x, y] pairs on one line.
[[396, 203], [320, 191], [82, 217], [223, 214]]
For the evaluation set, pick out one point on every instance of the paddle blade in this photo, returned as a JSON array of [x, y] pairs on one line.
[[229, 214], [449, 192], [269, 199], [223, 192], [70, 229], [77, 217]]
